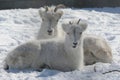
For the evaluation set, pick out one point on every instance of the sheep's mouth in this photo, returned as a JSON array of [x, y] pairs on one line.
[[49, 33], [74, 46]]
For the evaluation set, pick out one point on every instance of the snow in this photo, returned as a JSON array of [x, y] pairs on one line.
[[20, 25]]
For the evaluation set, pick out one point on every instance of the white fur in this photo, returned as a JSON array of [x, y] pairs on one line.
[[93, 44], [56, 53], [96, 49], [23, 56], [50, 20]]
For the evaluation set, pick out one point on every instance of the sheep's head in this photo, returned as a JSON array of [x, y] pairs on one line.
[[74, 31], [50, 17]]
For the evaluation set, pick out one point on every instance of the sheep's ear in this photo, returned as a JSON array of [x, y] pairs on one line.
[[84, 26], [41, 13], [65, 27], [59, 13]]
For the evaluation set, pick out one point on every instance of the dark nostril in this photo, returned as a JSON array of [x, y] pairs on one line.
[[75, 43], [49, 31]]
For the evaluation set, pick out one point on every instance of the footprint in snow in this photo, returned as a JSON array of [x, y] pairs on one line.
[[110, 38]]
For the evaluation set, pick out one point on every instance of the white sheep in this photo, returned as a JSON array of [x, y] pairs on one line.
[[50, 17], [96, 48], [59, 54]]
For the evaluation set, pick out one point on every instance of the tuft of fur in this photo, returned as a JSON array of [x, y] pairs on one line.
[[56, 53]]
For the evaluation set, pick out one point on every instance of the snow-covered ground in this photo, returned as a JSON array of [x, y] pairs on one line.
[[20, 25]]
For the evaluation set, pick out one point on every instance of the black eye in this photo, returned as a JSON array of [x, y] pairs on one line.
[[68, 33], [80, 33], [42, 19], [57, 20]]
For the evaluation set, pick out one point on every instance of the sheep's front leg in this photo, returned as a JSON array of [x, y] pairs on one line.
[[6, 67], [38, 66], [39, 69]]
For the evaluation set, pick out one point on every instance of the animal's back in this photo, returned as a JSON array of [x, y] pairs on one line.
[[22, 56], [91, 41]]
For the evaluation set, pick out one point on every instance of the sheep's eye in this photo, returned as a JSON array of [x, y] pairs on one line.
[[42, 19], [68, 33], [57, 20], [80, 33]]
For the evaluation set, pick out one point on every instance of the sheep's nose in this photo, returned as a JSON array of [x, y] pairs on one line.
[[75, 43], [49, 32]]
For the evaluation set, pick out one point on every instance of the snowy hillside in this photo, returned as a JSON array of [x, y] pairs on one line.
[[20, 25]]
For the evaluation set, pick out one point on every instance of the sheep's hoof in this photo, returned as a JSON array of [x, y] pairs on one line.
[[6, 67], [39, 70]]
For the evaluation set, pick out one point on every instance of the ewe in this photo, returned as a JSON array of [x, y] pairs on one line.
[[50, 17], [60, 54], [96, 48]]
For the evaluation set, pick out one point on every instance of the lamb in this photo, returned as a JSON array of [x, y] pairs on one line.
[[59, 54], [95, 48], [50, 17]]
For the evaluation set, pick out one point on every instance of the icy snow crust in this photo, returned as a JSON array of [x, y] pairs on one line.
[[20, 25]]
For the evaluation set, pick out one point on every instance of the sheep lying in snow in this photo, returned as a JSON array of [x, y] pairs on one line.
[[50, 17], [60, 54], [96, 48]]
